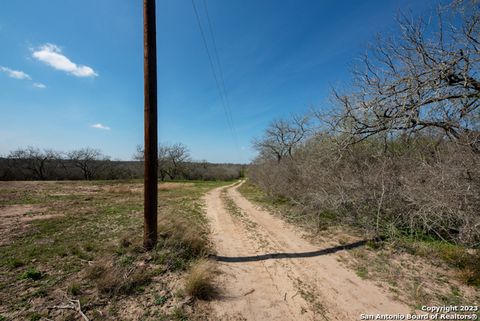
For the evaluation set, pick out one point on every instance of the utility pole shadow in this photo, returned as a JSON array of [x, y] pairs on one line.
[[272, 256]]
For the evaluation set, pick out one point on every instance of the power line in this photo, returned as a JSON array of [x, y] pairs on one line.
[[220, 85], [212, 65], [220, 69]]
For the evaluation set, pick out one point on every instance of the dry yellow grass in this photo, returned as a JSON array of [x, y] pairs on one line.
[[199, 283], [182, 234], [115, 280]]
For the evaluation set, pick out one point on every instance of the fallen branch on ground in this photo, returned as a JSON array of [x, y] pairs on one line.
[[72, 305]]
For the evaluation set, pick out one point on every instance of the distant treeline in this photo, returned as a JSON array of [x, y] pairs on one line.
[[91, 164]]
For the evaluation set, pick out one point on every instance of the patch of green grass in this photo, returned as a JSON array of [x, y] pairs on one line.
[[454, 297], [231, 206], [89, 246], [161, 299], [362, 272], [179, 314], [452, 254], [254, 193], [40, 293], [32, 274], [35, 317], [465, 261], [328, 215], [314, 221], [74, 289], [181, 241], [16, 263], [126, 260]]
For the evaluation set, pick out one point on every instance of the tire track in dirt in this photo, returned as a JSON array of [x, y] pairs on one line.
[[250, 291], [285, 288]]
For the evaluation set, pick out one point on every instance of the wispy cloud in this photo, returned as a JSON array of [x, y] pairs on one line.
[[52, 55], [39, 85], [17, 74], [100, 126]]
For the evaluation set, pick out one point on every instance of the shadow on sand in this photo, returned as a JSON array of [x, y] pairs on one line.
[[270, 256]]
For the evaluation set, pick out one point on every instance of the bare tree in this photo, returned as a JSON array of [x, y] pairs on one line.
[[428, 78], [405, 168], [88, 160], [176, 157], [172, 159], [163, 151], [163, 159], [34, 160], [139, 154], [282, 137]]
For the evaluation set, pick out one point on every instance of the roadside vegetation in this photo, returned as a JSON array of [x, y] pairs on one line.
[[77, 246], [416, 271], [395, 157]]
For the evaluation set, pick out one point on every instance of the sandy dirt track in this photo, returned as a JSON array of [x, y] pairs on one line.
[[268, 272]]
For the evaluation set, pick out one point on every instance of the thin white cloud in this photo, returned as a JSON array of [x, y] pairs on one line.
[[100, 126], [52, 55], [17, 74], [39, 85]]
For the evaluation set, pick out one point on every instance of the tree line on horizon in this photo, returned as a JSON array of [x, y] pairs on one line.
[[174, 161]]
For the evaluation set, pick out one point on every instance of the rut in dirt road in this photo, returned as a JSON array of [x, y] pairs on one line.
[[270, 273]]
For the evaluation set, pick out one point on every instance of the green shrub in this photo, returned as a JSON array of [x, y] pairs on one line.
[[32, 274]]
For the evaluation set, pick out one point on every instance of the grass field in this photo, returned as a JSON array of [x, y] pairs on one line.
[[67, 241]]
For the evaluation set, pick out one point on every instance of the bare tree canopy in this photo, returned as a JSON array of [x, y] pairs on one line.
[[427, 78], [34, 160], [88, 160], [138, 155], [177, 155], [399, 153], [172, 159], [282, 137], [89, 163]]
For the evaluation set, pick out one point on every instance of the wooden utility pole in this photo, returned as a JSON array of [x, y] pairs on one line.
[[150, 150]]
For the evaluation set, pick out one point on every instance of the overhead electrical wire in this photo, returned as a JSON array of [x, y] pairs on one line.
[[216, 77], [219, 79], [220, 69]]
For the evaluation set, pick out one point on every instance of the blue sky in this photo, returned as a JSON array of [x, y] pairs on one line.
[[71, 72]]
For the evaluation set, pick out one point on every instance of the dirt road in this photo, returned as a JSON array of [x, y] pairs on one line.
[[268, 272]]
